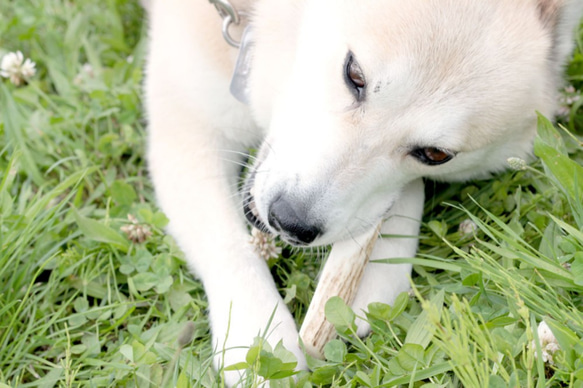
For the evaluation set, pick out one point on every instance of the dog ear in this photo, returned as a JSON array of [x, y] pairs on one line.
[[561, 18]]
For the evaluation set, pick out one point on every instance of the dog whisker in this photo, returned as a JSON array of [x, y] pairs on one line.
[[244, 155]]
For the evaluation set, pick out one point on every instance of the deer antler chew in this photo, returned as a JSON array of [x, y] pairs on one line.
[[341, 277]]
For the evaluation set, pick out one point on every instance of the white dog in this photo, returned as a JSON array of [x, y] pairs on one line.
[[353, 102]]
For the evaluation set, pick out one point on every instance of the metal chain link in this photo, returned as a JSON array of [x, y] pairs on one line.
[[230, 16]]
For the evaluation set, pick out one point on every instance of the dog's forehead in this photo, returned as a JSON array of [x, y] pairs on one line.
[[439, 29], [431, 42]]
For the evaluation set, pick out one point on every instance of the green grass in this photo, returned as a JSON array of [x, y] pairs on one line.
[[81, 305]]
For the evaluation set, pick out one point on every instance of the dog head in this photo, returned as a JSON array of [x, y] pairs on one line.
[[360, 98]]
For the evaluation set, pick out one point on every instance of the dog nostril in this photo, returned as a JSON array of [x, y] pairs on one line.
[[289, 221], [273, 219]]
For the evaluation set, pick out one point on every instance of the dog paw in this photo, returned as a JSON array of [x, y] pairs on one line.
[[362, 326], [381, 283], [244, 319]]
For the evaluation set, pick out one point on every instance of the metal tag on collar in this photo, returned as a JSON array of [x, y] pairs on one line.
[[240, 80]]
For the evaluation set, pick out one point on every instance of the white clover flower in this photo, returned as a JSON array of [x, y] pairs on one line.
[[135, 231], [569, 97], [264, 245], [467, 227], [17, 69], [544, 333], [86, 72], [563, 112], [88, 69], [516, 164], [548, 343]]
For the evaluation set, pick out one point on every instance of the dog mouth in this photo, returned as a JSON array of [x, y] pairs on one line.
[[252, 216], [251, 213]]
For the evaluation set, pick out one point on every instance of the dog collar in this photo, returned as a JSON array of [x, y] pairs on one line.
[[239, 86]]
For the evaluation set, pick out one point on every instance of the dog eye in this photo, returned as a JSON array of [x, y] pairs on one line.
[[354, 77], [432, 156]]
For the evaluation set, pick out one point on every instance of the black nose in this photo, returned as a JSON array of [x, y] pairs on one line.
[[291, 221]]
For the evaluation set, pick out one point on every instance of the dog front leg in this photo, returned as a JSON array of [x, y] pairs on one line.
[[382, 282], [196, 185]]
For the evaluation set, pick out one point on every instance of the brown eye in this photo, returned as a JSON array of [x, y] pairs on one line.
[[432, 156], [436, 155], [354, 77]]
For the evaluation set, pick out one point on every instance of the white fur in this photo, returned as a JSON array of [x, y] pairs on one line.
[[462, 75]]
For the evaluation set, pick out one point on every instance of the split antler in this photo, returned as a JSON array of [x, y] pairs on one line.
[[341, 277]]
